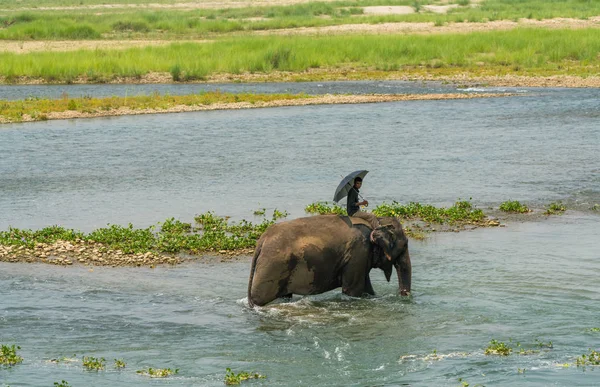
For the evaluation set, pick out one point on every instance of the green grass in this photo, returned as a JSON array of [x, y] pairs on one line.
[[521, 51], [38, 109], [168, 23]]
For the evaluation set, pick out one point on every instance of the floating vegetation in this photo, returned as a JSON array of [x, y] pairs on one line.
[[555, 208], [324, 208], [514, 206], [596, 207], [498, 348], [521, 370], [231, 378], [62, 383], [464, 383], [591, 359], [8, 355], [260, 212], [158, 372], [64, 359], [460, 212], [119, 363], [93, 363], [594, 329], [434, 356]]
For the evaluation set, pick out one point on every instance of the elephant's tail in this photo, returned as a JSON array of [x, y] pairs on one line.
[[252, 270]]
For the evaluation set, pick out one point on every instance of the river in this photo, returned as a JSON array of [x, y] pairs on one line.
[[529, 282]]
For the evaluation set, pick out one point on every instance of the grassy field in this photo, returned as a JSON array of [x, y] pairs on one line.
[[521, 51], [128, 23]]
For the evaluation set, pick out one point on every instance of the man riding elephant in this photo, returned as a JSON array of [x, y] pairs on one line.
[[353, 205]]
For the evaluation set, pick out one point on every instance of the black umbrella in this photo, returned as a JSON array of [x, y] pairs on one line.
[[347, 183]]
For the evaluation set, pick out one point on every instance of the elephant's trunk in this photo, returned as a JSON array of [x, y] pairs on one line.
[[404, 271]]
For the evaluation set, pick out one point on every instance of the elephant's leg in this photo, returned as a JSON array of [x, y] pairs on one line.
[[368, 286]]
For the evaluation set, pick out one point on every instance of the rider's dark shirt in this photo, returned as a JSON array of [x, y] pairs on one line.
[[352, 207]]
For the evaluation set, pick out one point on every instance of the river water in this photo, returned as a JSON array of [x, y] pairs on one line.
[[528, 282]]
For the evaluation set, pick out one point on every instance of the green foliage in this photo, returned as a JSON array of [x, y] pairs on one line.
[[93, 363], [119, 363], [324, 208], [514, 206], [62, 383], [555, 208], [594, 329], [498, 348], [158, 372], [593, 358], [231, 378], [461, 211], [8, 355], [29, 238], [127, 239]]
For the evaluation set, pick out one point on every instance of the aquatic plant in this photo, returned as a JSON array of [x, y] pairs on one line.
[[260, 212], [593, 359], [119, 363], [514, 206], [158, 372], [555, 208], [594, 329], [460, 212], [324, 208], [464, 383], [279, 214], [231, 378], [498, 348], [521, 370], [8, 355], [93, 363], [596, 207], [62, 383]]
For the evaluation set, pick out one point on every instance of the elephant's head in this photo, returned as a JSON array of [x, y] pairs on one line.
[[394, 246]]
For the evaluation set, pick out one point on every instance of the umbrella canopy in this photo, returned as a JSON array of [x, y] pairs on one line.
[[347, 183]]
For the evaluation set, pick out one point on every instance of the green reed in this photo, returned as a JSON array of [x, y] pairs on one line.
[[522, 51]]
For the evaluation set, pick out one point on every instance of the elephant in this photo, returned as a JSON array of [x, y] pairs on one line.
[[315, 254]]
